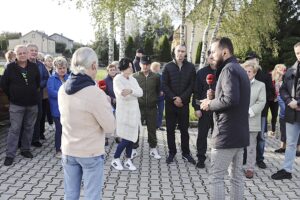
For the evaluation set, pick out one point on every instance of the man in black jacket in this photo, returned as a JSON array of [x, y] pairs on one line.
[[136, 62], [178, 82], [231, 126], [21, 83], [290, 93], [205, 118]]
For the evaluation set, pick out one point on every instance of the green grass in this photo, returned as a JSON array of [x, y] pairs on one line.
[[101, 74], [1, 69]]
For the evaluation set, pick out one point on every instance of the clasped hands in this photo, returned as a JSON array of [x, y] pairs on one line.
[[126, 92], [177, 102], [293, 105]]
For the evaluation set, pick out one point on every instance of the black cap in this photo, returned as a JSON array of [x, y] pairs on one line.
[[251, 55], [145, 60], [140, 51]]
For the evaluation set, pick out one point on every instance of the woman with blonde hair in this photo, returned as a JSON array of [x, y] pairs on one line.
[[10, 56], [257, 103]]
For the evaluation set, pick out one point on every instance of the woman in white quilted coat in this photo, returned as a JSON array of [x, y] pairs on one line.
[[128, 116]]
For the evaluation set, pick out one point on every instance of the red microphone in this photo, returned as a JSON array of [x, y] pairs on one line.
[[210, 79], [102, 85]]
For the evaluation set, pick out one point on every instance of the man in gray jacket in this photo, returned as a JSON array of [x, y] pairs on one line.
[[231, 130]]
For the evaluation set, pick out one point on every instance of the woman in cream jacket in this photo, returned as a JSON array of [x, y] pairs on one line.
[[128, 116]]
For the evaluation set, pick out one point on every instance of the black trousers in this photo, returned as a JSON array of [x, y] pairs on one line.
[[274, 111], [45, 112], [180, 116], [204, 124], [36, 133]]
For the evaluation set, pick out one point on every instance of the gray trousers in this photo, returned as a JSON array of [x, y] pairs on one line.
[[251, 151], [21, 118], [223, 160]]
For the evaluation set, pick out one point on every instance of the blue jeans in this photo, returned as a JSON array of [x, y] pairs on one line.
[[58, 131], [292, 135], [121, 146], [90, 170], [260, 148], [160, 112]]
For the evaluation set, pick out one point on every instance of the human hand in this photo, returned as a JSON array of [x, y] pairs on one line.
[[210, 94], [293, 104], [205, 104], [126, 92], [198, 114]]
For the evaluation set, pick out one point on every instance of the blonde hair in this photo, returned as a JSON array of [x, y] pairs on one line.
[[154, 65], [48, 57], [253, 64], [9, 55], [276, 76], [60, 61], [111, 66]]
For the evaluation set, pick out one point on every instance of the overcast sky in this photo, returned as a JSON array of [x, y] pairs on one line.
[[46, 15]]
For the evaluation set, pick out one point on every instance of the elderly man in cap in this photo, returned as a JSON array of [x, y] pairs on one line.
[[150, 83]]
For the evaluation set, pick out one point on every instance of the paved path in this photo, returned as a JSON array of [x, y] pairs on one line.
[[42, 177]]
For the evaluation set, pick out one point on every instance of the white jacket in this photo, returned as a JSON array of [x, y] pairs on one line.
[[128, 114]]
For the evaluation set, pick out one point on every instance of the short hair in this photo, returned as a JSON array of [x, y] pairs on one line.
[[47, 57], [17, 47], [297, 44], [139, 50], [41, 57], [9, 55], [253, 64], [225, 42], [124, 64], [30, 45], [83, 59], [111, 66], [155, 64], [60, 61]]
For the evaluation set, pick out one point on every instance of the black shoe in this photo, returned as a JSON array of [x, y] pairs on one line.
[[161, 129], [36, 144], [27, 154], [170, 158], [106, 141], [200, 165], [280, 150], [298, 153], [261, 164], [189, 158], [281, 174], [8, 161], [43, 137], [118, 140]]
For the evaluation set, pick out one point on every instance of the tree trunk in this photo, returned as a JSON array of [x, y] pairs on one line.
[[111, 37], [183, 11], [205, 34], [218, 23], [190, 57], [122, 36]]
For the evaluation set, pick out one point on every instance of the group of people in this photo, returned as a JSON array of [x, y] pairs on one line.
[[229, 98]]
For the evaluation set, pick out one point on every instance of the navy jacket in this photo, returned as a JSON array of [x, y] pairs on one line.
[[53, 86], [287, 94], [178, 82], [230, 106], [109, 90], [44, 74]]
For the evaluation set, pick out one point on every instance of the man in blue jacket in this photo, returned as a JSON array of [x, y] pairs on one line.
[[231, 126], [32, 57]]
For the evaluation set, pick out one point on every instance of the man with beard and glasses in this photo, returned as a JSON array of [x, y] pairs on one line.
[[231, 126]]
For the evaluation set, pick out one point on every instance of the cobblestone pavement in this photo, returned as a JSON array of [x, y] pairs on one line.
[[42, 177]]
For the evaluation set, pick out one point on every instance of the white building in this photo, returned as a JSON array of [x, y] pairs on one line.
[[62, 39], [45, 44]]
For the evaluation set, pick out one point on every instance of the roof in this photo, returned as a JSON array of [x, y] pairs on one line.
[[40, 33], [60, 36]]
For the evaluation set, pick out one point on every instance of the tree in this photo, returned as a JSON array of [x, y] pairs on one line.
[[60, 47], [130, 48], [164, 49], [198, 53], [183, 11], [148, 46]]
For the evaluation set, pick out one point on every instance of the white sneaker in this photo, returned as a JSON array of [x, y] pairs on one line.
[[154, 153], [116, 163], [128, 164], [134, 153]]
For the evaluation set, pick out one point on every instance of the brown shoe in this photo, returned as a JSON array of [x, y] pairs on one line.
[[249, 174]]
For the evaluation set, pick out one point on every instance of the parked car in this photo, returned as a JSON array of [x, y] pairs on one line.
[[4, 106]]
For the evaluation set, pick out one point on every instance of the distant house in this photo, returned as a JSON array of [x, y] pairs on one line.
[[59, 38], [45, 44]]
